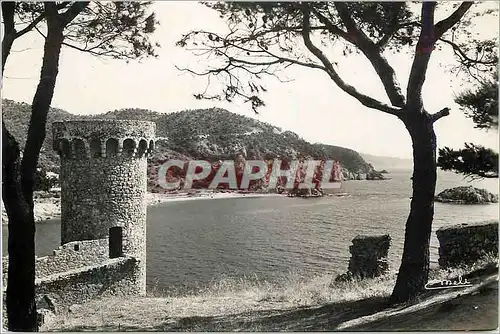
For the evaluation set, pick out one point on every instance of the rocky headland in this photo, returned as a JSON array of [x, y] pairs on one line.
[[204, 134], [209, 134], [466, 195]]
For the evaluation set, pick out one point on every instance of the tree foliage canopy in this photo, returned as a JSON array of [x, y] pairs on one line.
[[475, 161], [264, 38], [118, 30], [481, 104]]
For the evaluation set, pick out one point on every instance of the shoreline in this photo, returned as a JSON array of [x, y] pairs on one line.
[[153, 199], [50, 207]]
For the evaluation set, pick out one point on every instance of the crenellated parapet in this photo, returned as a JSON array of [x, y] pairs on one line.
[[94, 139]]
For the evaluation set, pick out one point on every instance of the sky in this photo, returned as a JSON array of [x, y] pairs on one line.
[[311, 105]]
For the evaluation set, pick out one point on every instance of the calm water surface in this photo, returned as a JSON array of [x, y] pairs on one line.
[[194, 243]]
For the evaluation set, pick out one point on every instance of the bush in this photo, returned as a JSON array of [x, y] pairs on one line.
[[43, 181]]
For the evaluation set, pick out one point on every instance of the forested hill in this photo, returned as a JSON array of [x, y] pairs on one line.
[[204, 133]]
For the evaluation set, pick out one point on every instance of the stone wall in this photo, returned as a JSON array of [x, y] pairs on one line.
[[67, 257], [71, 256], [368, 257], [57, 292], [114, 277], [463, 244]]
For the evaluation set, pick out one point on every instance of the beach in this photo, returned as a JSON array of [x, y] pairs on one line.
[[49, 207]]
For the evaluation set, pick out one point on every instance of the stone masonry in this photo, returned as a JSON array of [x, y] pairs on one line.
[[368, 257], [463, 244], [104, 182]]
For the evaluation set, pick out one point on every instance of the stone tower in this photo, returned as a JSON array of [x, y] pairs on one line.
[[104, 182]]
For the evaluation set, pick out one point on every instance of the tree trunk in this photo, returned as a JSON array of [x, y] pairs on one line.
[[18, 190], [7, 41], [21, 310], [8, 8], [41, 104], [414, 270], [20, 295]]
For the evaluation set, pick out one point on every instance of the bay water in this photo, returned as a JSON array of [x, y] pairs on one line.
[[193, 244]]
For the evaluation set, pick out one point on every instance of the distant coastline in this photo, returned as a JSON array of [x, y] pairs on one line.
[[48, 204], [50, 207]]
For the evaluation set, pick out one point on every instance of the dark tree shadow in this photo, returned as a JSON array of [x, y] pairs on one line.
[[319, 318]]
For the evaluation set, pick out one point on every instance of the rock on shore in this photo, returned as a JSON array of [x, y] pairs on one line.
[[466, 195], [47, 206], [375, 175]]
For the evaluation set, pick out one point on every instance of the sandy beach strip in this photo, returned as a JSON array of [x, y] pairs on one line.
[[154, 198], [50, 208]]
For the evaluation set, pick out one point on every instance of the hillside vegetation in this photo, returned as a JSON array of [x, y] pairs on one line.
[[212, 134]]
